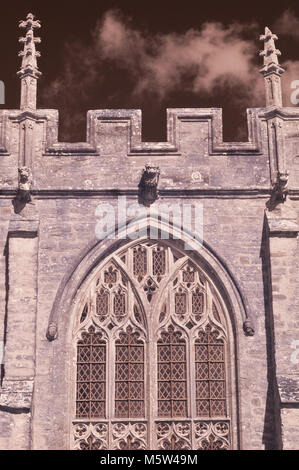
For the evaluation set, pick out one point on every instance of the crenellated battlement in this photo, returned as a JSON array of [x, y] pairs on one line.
[[149, 290], [114, 140], [99, 121], [106, 125], [194, 156]]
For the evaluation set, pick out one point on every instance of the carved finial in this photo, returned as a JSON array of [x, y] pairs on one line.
[[271, 70], [270, 53], [148, 192], [29, 72]]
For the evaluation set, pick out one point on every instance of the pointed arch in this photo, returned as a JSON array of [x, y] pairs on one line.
[[99, 250], [226, 304], [111, 285]]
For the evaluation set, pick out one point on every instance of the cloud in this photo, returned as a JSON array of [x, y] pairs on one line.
[[287, 24], [124, 67], [291, 75], [161, 63]]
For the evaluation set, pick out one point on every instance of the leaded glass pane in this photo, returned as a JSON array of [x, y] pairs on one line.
[[180, 304], [210, 374], [129, 376], [172, 375], [102, 304], [159, 262], [91, 376], [139, 262]]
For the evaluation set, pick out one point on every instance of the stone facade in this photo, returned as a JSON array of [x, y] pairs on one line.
[[247, 268]]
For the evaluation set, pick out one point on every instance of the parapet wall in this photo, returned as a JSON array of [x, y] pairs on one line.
[[194, 157]]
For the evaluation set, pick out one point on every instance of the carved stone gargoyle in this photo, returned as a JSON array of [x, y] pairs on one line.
[[147, 188], [23, 195], [25, 183], [279, 190]]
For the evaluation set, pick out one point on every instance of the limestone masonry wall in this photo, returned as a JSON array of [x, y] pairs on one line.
[[49, 195]]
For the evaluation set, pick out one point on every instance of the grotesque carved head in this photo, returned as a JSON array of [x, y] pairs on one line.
[[151, 175], [24, 186], [248, 327], [24, 174], [52, 332], [282, 180], [148, 192]]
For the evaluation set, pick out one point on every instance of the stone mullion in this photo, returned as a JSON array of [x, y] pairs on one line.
[[129, 379], [171, 380], [209, 377], [110, 377], [151, 389], [150, 270], [193, 384], [90, 375]]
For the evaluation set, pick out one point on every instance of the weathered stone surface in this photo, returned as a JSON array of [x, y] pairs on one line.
[[17, 395], [48, 250], [288, 389]]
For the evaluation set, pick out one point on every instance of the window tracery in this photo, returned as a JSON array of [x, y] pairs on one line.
[[186, 356]]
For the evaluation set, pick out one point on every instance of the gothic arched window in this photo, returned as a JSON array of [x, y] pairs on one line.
[[151, 345]]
